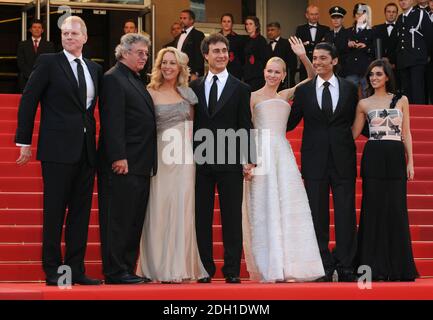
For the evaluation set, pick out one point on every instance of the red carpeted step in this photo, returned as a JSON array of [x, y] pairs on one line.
[[9, 100], [34, 217], [33, 271], [32, 252], [33, 233], [26, 200]]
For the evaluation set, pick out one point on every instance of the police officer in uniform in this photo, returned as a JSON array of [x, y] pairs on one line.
[[338, 35], [412, 39], [360, 51]]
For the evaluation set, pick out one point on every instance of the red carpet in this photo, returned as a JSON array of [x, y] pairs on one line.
[[21, 219], [219, 290]]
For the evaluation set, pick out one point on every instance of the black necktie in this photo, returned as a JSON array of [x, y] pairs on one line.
[[327, 100], [82, 88], [213, 95]]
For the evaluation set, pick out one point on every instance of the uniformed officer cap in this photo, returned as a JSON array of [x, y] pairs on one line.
[[337, 11]]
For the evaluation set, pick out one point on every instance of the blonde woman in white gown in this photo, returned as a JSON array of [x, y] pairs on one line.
[[279, 240], [168, 251]]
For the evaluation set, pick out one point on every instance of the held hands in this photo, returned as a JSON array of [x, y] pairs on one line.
[[25, 155], [120, 166], [297, 46], [248, 171], [410, 171], [356, 45]]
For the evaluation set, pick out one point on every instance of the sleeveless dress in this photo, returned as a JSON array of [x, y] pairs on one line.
[[384, 242], [279, 239], [168, 250]]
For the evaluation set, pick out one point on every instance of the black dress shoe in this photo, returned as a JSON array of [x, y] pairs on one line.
[[233, 280], [52, 281], [346, 276], [86, 281], [126, 278], [205, 280], [325, 278]]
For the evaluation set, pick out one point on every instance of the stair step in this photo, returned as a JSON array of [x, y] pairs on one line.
[[33, 233], [13, 217], [34, 184], [32, 252], [33, 271]]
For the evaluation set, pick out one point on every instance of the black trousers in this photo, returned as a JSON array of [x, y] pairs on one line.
[[122, 208], [230, 190], [343, 192], [66, 186], [413, 83]]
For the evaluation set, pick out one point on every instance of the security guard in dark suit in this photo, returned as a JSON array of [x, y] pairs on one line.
[[412, 39], [338, 35]]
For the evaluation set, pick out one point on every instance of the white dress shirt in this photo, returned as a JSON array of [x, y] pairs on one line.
[[221, 82], [89, 82], [313, 31], [334, 89], [274, 44], [389, 28], [183, 37]]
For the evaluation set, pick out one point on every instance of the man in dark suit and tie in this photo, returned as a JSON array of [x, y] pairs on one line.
[[328, 158], [29, 50], [224, 105], [280, 47], [189, 42], [67, 86], [310, 34], [383, 31], [127, 159]]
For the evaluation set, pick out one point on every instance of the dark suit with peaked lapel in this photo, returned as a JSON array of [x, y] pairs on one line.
[[191, 47], [128, 131], [381, 32], [328, 160], [26, 57], [284, 51], [67, 151], [232, 112], [303, 32]]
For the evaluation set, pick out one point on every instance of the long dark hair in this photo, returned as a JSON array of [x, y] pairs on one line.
[[256, 22], [386, 66]]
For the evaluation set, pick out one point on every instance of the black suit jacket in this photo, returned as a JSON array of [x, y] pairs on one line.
[[232, 112], [191, 47], [26, 58], [321, 136], [285, 52], [303, 32], [64, 117], [404, 55], [128, 127], [357, 60], [381, 32]]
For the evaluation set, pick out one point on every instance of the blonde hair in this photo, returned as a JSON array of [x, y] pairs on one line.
[[277, 60], [71, 19], [157, 78]]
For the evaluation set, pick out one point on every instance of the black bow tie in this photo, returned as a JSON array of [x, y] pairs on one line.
[[273, 41], [390, 25], [311, 27], [183, 31]]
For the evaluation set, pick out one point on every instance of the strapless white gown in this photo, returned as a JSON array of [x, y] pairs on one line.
[[279, 239]]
